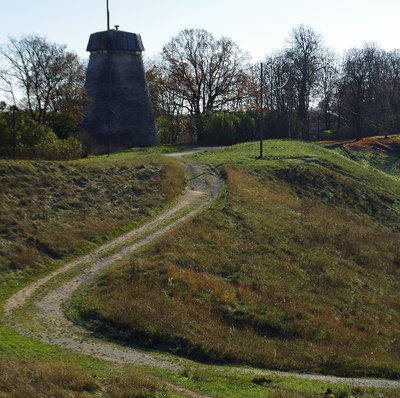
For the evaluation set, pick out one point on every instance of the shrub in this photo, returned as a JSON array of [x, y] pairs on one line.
[[227, 128], [35, 141]]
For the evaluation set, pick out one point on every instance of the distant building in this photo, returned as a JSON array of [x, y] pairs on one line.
[[119, 114]]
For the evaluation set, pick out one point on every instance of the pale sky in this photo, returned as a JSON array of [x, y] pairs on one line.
[[257, 26]]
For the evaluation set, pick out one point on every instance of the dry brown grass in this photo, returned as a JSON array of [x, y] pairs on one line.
[[33, 379], [52, 210], [264, 278], [22, 379]]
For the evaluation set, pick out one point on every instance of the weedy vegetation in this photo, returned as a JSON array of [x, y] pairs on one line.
[[51, 212], [295, 267], [36, 379]]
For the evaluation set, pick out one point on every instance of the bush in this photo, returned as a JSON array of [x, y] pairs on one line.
[[227, 128], [63, 123], [56, 149], [171, 129], [34, 140]]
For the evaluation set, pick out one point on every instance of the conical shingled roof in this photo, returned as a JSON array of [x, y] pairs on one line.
[[115, 40]]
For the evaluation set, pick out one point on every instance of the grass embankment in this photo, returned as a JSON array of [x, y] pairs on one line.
[[296, 267], [37, 379], [51, 212], [55, 210], [380, 153]]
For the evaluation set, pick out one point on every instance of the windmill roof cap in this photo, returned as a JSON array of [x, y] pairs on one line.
[[115, 39]]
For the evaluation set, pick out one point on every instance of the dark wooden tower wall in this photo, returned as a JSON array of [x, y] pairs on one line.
[[120, 112]]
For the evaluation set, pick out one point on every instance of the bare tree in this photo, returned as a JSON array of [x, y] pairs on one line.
[[328, 85], [304, 51], [48, 77], [167, 107], [202, 71], [393, 59], [362, 82]]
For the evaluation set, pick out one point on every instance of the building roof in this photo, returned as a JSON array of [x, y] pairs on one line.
[[115, 39]]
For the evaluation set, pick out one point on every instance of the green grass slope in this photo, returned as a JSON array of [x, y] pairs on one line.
[[55, 210], [295, 267], [51, 212]]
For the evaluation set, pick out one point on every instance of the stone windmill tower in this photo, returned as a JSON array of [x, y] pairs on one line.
[[119, 113]]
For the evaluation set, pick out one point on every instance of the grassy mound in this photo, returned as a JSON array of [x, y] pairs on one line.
[[295, 267], [34, 379], [49, 213], [54, 210]]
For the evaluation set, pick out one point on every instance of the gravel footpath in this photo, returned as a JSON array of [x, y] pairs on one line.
[[49, 323]]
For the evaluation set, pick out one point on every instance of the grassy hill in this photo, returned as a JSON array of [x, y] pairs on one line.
[[51, 212], [295, 267]]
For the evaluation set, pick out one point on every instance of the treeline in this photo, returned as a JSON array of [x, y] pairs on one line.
[[304, 91], [44, 123], [205, 89]]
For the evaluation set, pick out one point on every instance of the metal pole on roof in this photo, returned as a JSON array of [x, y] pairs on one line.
[[108, 17]]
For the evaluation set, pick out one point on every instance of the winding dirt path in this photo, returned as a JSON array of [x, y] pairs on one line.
[[44, 299], [47, 296]]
